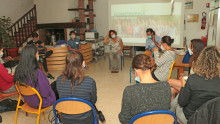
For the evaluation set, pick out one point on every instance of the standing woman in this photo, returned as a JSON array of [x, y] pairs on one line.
[[164, 61], [116, 47], [73, 83], [28, 72]]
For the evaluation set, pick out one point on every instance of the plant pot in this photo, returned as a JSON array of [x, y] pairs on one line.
[[13, 52]]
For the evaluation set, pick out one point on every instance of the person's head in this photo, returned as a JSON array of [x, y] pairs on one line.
[[112, 34], [72, 34], [74, 68], [1, 49], [150, 32], [35, 36], [28, 65], [208, 63], [166, 41], [195, 47], [141, 64]]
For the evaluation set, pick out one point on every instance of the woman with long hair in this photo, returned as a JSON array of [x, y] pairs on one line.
[[148, 95], [202, 86], [164, 61], [195, 48], [74, 83], [28, 72]]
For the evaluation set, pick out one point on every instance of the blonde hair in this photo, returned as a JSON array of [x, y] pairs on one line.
[[208, 63]]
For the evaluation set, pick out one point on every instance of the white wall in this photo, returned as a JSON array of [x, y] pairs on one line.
[[193, 29], [15, 8], [55, 11]]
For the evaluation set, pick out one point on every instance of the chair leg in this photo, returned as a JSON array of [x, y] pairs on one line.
[[16, 115], [130, 75], [38, 118], [121, 63], [44, 115]]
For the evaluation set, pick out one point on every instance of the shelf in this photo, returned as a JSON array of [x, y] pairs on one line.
[[94, 15], [77, 9], [62, 25]]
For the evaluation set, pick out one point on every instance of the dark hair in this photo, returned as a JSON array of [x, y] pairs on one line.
[[197, 45], [34, 34], [27, 67], [73, 69], [153, 32], [74, 32], [150, 30], [142, 62], [1, 45], [167, 40], [111, 32]]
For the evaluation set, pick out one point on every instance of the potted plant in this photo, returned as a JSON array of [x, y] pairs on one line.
[[8, 42]]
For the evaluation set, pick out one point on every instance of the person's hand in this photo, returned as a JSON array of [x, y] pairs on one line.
[[153, 37], [183, 82], [118, 51], [37, 44], [13, 73], [155, 49], [8, 58]]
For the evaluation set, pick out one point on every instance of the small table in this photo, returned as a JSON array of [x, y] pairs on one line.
[[179, 65]]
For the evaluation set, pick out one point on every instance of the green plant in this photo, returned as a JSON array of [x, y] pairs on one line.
[[5, 24]]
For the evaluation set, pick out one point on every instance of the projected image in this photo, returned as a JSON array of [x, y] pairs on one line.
[[132, 20]]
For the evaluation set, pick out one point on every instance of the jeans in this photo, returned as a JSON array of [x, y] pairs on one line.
[[47, 54], [179, 110], [112, 63]]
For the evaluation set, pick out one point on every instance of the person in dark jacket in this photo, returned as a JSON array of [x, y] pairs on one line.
[[41, 50], [202, 86], [73, 83]]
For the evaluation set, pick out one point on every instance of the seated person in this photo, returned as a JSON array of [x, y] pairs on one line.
[[195, 48], [152, 41], [73, 42], [144, 96], [41, 50], [6, 80], [28, 72], [73, 83], [164, 61], [116, 46], [200, 87]]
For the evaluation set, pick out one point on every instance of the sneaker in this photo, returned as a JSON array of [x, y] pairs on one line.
[[50, 76]]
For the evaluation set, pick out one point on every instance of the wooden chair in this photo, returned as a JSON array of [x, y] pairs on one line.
[[4, 95], [155, 117], [28, 91], [73, 106], [171, 69]]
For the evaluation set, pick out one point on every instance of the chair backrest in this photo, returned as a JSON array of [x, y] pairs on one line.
[[148, 53], [26, 90], [171, 69], [73, 106], [155, 117]]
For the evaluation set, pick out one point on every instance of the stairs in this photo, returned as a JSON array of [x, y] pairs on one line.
[[22, 29]]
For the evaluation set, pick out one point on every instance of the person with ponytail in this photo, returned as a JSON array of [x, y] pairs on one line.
[[74, 83], [148, 95], [28, 72], [164, 61]]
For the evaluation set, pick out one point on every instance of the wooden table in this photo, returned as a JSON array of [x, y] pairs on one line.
[[179, 65]]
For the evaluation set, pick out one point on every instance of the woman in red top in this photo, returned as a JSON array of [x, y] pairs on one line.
[[6, 79]]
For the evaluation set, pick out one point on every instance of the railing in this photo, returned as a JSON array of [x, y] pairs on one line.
[[23, 27]]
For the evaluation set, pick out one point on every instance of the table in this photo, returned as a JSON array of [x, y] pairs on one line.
[[179, 65]]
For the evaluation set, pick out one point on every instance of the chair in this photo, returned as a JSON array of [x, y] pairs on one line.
[[4, 95], [171, 70], [28, 91], [155, 117], [122, 61], [72, 105]]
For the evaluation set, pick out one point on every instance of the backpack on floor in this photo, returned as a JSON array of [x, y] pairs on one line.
[[8, 105]]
